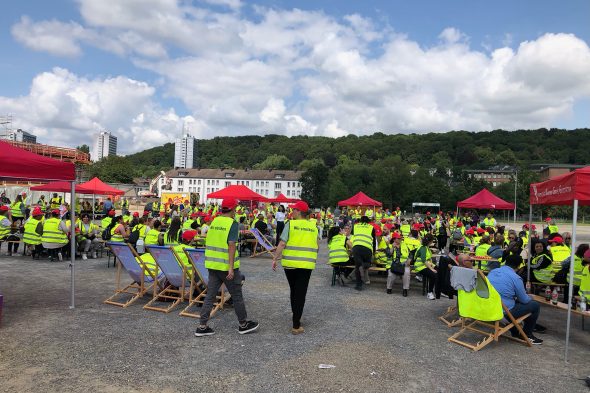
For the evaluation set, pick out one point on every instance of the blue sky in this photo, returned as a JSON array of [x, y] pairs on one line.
[[264, 67]]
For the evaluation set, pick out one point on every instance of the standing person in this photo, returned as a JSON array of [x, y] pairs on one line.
[[18, 210], [298, 251], [107, 206], [223, 263], [55, 202], [280, 217], [6, 229], [363, 247], [397, 257]]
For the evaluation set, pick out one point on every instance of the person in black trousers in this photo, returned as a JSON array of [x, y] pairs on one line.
[[280, 217]]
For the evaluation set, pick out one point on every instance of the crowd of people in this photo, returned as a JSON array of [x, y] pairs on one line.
[[358, 238]]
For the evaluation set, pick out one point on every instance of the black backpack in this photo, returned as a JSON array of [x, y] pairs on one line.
[[106, 234]]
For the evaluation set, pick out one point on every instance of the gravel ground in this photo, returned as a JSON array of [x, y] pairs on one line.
[[377, 342]]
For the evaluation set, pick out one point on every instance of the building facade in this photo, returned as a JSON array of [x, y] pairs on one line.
[[495, 176], [185, 152], [547, 171], [18, 136], [105, 145], [269, 183]]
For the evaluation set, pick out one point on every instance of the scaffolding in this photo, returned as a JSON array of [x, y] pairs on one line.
[[59, 153]]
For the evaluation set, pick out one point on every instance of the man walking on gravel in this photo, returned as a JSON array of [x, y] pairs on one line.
[[223, 263]]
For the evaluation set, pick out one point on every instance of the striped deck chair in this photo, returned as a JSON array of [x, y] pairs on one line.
[[263, 241], [177, 277], [143, 277], [199, 281]]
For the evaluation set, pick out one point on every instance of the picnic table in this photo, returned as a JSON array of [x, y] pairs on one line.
[[563, 306]]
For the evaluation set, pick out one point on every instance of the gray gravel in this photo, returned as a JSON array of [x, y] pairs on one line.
[[377, 342]]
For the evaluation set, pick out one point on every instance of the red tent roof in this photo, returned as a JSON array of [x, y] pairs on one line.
[[485, 200], [19, 164], [240, 192], [360, 199], [562, 190], [59, 186], [282, 199], [97, 187]]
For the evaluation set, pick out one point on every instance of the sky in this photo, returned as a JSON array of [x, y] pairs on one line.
[[148, 69]]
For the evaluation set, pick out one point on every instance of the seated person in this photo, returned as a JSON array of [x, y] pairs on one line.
[[541, 264], [585, 278], [422, 263], [338, 254], [396, 257], [87, 237], [511, 288]]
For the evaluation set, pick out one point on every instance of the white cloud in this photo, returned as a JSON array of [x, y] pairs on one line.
[[296, 71]]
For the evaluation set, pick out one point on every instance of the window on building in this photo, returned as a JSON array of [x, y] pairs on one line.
[[181, 189], [248, 183], [289, 193], [277, 186], [229, 174], [267, 184], [181, 183], [227, 183], [199, 181], [216, 182], [208, 182], [279, 175]]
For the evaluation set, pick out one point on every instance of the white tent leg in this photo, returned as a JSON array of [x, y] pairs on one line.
[[571, 284], [73, 242]]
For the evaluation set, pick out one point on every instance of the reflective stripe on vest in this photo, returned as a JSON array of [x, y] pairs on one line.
[[301, 250], [543, 275], [337, 249], [585, 283], [52, 233], [216, 246], [578, 268], [31, 236], [559, 254], [4, 230], [116, 236], [152, 237], [15, 208], [363, 236], [420, 265], [482, 251]]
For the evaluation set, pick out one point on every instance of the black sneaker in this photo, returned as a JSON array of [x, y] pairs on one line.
[[248, 327], [405, 293], [204, 331], [390, 291], [534, 340], [539, 328]]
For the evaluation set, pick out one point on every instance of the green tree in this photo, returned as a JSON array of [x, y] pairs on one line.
[[275, 161], [84, 148], [113, 169], [314, 185]]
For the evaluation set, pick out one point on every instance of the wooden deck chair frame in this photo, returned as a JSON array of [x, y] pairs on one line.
[[263, 241], [137, 288], [451, 317], [493, 330], [199, 283], [175, 294]]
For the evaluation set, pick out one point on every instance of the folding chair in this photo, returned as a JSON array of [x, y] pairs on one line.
[[137, 270], [484, 307], [263, 241], [177, 275], [199, 280]]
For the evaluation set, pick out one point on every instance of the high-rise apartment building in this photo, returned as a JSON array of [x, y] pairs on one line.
[[104, 145], [185, 152]]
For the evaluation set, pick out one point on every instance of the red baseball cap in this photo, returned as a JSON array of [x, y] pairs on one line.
[[547, 219], [37, 211], [557, 239], [416, 227], [189, 235], [378, 231], [136, 214], [207, 217], [383, 221], [146, 213], [4, 208], [55, 211], [481, 230], [229, 203], [460, 224], [469, 232], [111, 213], [193, 215], [396, 235], [301, 206]]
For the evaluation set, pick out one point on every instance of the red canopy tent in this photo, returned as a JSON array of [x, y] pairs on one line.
[[97, 187], [240, 192], [570, 189], [360, 199], [59, 186], [485, 200], [19, 164], [282, 199]]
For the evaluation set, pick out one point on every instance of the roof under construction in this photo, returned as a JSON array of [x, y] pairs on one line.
[[59, 153]]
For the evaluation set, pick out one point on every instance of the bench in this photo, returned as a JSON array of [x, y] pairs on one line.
[[560, 305]]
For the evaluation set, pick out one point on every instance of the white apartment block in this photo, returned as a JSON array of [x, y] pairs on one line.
[[269, 183], [18, 136], [185, 152], [105, 145]]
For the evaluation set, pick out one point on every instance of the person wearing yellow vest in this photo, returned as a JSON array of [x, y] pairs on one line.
[[397, 257], [559, 253], [154, 237], [117, 230], [363, 247], [6, 231], [338, 256], [106, 222], [223, 263], [422, 262], [87, 237], [55, 235], [541, 263], [405, 227], [17, 208], [127, 217], [174, 233], [298, 252], [482, 250], [512, 291], [490, 221], [33, 232], [42, 203], [578, 264], [55, 202], [585, 277], [551, 226]]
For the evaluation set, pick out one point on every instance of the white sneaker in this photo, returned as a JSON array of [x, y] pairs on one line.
[[419, 278], [430, 296], [84, 257], [17, 254], [60, 257], [367, 282], [94, 256]]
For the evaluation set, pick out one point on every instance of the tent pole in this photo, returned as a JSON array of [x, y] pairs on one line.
[[528, 273], [72, 242], [93, 201], [571, 276]]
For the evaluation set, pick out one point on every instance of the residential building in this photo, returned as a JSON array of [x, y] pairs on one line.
[[105, 145], [269, 183], [547, 171], [495, 175], [18, 136], [185, 152]]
